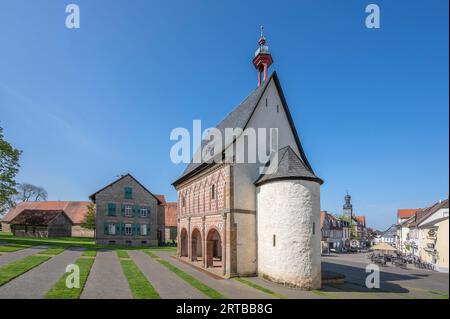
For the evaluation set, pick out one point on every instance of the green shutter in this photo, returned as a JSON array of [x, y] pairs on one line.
[[128, 193], [149, 212], [122, 210], [149, 228], [118, 229], [122, 226], [138, 229], [111, 209], [105, 225]]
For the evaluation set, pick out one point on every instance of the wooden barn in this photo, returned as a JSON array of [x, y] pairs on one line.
[[41, 223]]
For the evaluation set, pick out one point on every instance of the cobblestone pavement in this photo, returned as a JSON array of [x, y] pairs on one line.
[[106, 279], [35, 283]]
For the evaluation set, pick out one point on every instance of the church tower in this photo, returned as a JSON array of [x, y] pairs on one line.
[[263, 58], [348, 208]]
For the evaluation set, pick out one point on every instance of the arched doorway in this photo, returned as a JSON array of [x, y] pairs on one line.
[[184, 243], [213, 249], [196, 248]]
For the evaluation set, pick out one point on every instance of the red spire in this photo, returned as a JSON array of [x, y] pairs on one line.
[[263, 58]]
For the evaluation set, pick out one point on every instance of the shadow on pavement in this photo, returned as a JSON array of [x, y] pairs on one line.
[[355, 278]]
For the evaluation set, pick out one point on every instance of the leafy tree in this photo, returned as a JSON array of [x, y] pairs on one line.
[[9, 167], [89, 220], [29, 192]]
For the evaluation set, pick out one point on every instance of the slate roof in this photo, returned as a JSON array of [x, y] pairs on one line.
[[36, 217], [76, 211], [290, 166], [239, 118]]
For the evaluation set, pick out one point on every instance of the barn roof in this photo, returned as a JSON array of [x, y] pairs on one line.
[[76, 211], [36, 217]]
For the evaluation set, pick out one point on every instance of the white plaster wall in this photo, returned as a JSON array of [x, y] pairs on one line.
[[288, 209]]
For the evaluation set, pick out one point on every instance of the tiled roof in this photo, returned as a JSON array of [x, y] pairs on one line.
[[161, 198], [35, 217], [406, 213], [171, 214], [74, 210], [361, 220], [239, 118], [290, 166]]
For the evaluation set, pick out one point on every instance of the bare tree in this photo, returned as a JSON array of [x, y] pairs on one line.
[[29, 192]]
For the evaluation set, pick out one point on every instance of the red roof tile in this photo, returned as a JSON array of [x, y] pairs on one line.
[[74, 210], [406, 213]]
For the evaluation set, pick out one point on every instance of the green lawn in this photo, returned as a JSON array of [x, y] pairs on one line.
[[60, 290], [140, 287], [260, 288], [208, 291], [12, 270], [12, 248], [53, 251], [122, 253], [89, 253]]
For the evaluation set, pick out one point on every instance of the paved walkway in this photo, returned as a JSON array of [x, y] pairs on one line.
[[106, 279], [35, 283], [227, 287], [13, 256], [290, 293], [166, 283]]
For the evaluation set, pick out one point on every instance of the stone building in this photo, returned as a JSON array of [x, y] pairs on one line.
[[235, 221], [36, 223], [168, 214], [127, 214], [76, 211]]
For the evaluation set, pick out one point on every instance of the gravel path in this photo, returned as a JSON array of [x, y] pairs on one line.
[[35, 283], [10, 257], [166, 283], [227, 287], [106, 279]]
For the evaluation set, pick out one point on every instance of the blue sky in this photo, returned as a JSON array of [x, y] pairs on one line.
[[87, 105]]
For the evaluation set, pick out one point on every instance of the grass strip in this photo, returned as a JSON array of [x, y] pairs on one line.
[[323, 294], [12, 248], [53, 251], [140, 287], [122, 254], [208, 291], [260, 288], [89, 253], [60, 290], [12, 270]]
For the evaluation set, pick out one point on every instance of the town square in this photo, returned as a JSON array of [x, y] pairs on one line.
[[203, 152]]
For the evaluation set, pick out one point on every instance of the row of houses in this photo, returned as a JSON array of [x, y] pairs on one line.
[[423, 233], [127, 213], [341, 233]]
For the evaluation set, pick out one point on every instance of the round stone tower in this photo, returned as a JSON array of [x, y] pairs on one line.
[[288, 223]]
